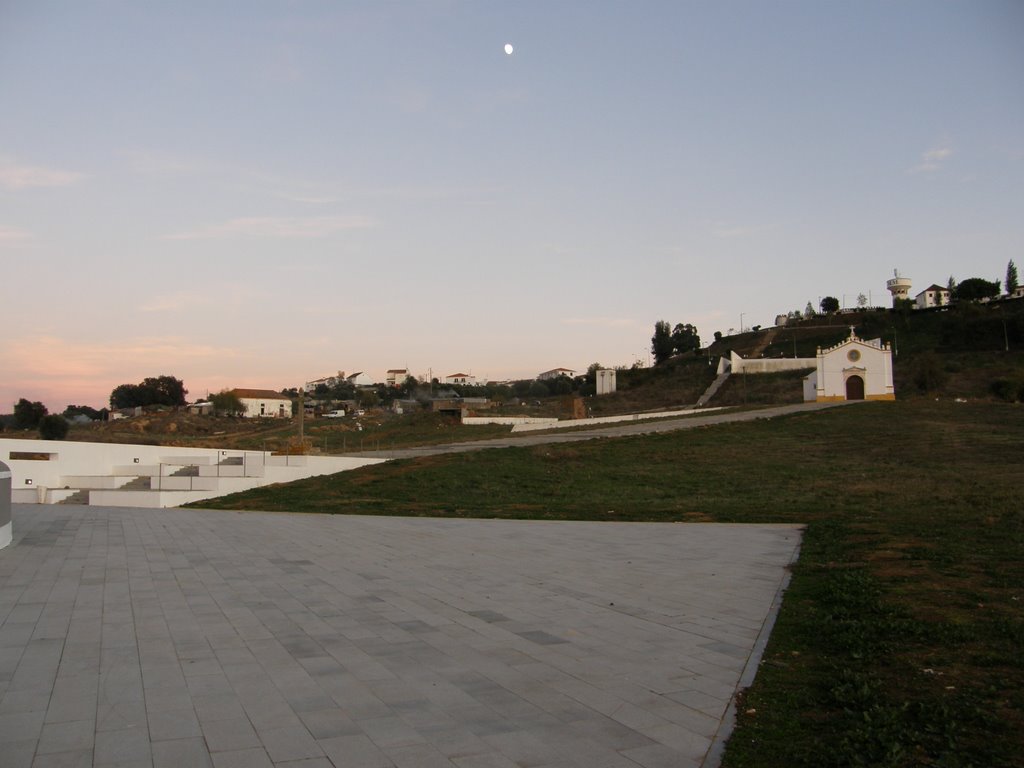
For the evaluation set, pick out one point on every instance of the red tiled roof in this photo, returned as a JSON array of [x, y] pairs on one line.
[[259, 394]]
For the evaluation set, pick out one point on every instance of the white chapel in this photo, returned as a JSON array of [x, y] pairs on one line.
[[854, 369]]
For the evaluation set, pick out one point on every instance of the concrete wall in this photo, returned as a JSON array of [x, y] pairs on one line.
[[109, 465], [510, 421], [6, 526], [570, 423], [739, 364]]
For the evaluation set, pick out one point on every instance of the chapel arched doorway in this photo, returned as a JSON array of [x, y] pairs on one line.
[[855, 388]]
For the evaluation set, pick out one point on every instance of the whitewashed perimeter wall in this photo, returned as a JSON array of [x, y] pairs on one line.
[[770, 365], [74, 459]]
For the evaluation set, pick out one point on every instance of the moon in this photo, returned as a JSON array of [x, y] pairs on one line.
[[509, 48]]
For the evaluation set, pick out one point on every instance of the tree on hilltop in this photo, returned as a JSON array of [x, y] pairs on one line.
[[158, 390], [661, 342], [668, 341], [685, 338], [227, 402], [27, 415], [1011, 277], [73, 411], [974, 288], [829, 304]]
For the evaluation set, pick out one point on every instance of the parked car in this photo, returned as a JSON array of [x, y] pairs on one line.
[[335, 414]]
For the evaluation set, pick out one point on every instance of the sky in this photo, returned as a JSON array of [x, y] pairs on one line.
[[264, 192]]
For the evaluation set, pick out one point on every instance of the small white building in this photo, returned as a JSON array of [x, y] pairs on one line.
[[854, 369], [606, 382], [264, 403], [932, 296], [460, 378], [395, 377]]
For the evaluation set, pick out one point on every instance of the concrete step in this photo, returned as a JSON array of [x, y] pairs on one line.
[[78, 497], [710, 391]]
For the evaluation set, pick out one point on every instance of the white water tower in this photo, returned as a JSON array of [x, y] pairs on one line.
[[898, 286]]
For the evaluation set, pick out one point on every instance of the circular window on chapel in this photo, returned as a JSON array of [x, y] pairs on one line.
[[853, 355]]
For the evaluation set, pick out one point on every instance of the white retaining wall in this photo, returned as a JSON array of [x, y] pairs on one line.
[[511, 421], [739, 364], [569, 423], [44, 481]]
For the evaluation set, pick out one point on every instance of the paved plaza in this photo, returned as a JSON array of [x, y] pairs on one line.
[[173, 637]]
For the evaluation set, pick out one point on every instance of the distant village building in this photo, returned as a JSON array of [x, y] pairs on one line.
[[460, 378], [327, 381], [932, 296], [554, 373], [395, 377], [854, 369], [360, 379], [265, 403]]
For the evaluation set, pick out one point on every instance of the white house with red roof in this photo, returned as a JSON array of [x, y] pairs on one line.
[[265, 403]]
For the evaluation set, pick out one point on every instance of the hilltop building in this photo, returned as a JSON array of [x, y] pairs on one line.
[[932, 296], [327, 381], [554, 373], [854, 369], [898, 286], [264, 403]]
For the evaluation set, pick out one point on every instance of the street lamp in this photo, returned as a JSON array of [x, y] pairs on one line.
[[742, 315]]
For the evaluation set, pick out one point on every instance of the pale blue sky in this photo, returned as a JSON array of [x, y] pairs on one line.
[[261, 193]]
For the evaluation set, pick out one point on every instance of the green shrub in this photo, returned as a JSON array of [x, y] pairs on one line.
[[928, 373], [53, 427], [1010, 390]]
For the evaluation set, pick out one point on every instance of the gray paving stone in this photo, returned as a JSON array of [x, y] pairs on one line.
[[18, 754], [173, 724], [355, 752], [82, 758], [242, 758], [128, 746], [291, 743], [20, 726], [230, 735], [312, 762], [181, 753], [77, 735], [328, 723], [25, 700], [197, 638]]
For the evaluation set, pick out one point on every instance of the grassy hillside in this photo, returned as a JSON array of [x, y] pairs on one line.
[[901, 639]]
